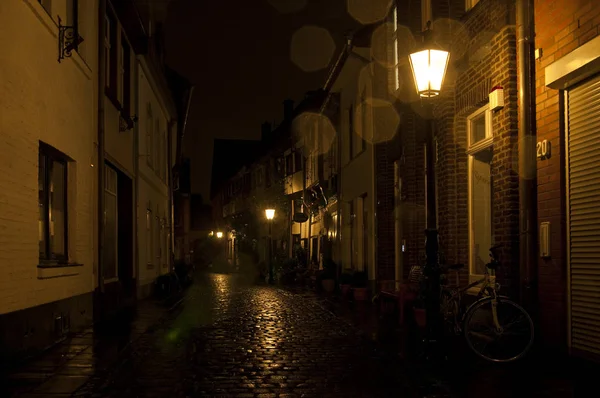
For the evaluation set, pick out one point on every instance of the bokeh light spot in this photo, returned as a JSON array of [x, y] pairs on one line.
[[316, 130], [312, 48], [376, 120], [368, 11], [380, 41], [288, 6]]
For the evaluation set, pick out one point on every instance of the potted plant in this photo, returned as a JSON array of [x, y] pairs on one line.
[[359, 286], [328, 276], [345, 283]]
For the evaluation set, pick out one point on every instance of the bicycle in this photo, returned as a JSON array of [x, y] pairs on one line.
[[489, 321]]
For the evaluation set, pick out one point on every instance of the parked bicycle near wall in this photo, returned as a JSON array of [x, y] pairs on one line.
[[495, 327]]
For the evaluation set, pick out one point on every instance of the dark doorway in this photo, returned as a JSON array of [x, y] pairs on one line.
[[125, 237]]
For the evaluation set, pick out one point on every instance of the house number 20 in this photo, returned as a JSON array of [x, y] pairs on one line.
[[543, 149]]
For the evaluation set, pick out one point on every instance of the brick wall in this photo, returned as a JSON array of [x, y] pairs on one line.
[[560, 26], [483, 55], [486, 57]]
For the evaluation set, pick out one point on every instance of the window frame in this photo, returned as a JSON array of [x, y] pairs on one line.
[[472, 150], [53, 155]]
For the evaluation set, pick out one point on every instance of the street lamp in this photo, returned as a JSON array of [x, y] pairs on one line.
[[219, 235], [270, 214], [428, 67]]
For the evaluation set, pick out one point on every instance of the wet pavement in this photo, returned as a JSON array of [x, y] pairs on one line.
[[231, 338]]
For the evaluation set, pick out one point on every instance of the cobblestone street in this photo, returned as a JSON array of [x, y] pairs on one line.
[[234, 339], [231, 338]]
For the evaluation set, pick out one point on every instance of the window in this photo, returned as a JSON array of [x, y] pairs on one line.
[[149, 133], [365, 232], [351, 221], [350, 132], [157, 149], [157, 238], [362, 145], [73, 20], [289, 164], [297, 161], [395, 48], [125, 78], [425, 13], [112, 58], [481, 234], [149, 237], [165, 155], [470, 4], [111, 228], [107, 49], [52, 202]]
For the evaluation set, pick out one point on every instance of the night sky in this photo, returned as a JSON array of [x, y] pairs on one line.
[[238, 54]]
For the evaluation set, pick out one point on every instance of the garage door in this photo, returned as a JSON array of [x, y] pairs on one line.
[[583, 190]]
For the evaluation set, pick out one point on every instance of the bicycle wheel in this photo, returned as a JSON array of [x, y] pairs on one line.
[[449, 309], [510, 342]]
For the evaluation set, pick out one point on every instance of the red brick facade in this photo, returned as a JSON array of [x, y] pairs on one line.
[[482, 43], [561, 26]]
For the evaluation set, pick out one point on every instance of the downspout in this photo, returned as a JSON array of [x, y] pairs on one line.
[[527, 156], [101, 84], [171, 216], [136, 168]]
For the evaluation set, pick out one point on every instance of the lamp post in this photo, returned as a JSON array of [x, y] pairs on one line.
[[429, 66], [270, 214]]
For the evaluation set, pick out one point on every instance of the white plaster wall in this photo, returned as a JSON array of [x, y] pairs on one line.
[[152, 190], [41, 99]]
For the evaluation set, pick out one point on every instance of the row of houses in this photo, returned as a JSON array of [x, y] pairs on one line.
[[514, 129], [91, 125]]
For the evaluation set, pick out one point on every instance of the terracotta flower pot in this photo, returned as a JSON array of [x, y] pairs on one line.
[[345, 290], [328, 285], [361, 293], [420, 317]]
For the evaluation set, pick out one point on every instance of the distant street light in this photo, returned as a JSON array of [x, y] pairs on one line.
[[270, 214], [429, 66], [219, 235]]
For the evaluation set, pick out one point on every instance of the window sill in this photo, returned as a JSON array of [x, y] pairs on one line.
[[57, 270]]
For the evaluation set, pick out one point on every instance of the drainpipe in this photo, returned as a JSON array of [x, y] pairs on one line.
[[136, 168], [527, 157], [172, 123], [101, 84]]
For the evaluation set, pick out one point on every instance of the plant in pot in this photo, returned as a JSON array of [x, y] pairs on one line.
[[328, 276], [359, 286], [345, 283]]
